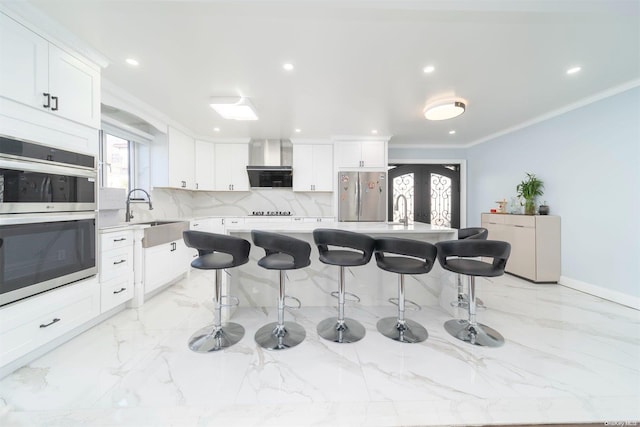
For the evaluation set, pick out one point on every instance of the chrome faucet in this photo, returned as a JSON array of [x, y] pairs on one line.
[[128, 215], [405, 220]]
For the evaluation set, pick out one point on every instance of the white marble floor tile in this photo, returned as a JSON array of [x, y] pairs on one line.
[[568, 357]]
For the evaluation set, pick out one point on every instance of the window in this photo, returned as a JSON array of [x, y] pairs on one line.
[[117, 154]]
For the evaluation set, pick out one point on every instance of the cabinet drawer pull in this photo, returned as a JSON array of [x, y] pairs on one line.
[[120, 240], [519, 226], [50, 323], [119, 262], [54, 98], [48, 103], [121, 290]]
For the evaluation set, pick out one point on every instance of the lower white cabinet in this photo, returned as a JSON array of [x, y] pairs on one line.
[[535, 244], [165, 263], [31, 323], [116, 268]]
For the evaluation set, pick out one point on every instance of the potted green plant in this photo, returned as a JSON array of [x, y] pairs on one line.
[[529, 189]]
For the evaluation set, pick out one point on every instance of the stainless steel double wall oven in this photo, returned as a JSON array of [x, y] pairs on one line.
[[47, 218]]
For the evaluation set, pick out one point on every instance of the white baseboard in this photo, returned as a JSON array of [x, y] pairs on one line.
[[599, 291]]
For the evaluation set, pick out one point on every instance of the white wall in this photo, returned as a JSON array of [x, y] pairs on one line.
[[589, 160]]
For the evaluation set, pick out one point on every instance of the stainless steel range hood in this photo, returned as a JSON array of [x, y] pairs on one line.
[[270, 163]]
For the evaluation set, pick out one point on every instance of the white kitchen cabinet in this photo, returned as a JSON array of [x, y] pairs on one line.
[[306, 219], [173, 160], [165, 263], [41, 75], [116, 268], [36, 321], [312, 167], [535, 244], [204, 166], [355, 154], [230, 160], [181, 160]]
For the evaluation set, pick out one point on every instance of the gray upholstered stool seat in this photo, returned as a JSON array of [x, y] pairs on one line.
[[473, 233], [452, 256], [281, 253], [407, 257], [216, 252], [359, 248]]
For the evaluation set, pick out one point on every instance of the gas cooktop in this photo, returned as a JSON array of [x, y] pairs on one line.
[[271, 213]]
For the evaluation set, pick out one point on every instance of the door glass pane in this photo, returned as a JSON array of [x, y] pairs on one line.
[[116, 162], [403, 185], [440, 200]]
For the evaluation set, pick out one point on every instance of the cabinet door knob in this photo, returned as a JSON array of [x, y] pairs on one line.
[[54, 108], [47, 104]]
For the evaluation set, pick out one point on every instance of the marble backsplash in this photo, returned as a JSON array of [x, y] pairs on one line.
[[173, 204]]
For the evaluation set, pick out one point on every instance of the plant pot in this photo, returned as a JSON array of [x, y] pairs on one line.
[[529, 207], [543, 210]]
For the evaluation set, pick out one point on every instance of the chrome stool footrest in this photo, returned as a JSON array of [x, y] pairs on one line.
[[292, 307], [412, 305], [235, 301], [352, 297]]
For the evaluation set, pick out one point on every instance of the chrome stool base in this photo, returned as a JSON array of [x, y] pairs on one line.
[[463, 302], [273, 336], [480, 335], [211, 338], [410, 332], [343, 332]]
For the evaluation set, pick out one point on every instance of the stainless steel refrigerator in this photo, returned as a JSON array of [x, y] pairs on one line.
[[362, 196]]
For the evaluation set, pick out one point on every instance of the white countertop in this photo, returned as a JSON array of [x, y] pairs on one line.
[[360, 227]]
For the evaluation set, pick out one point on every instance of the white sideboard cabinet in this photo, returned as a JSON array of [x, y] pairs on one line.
[[535, 244]]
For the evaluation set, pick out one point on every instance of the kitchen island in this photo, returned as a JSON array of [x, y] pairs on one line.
[[312, 285]]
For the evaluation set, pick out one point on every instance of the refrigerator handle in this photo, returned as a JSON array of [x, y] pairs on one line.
[[359, 198]]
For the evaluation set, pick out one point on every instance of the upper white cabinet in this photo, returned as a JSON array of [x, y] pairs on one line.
[[39, 74], [204, 166], [312, 167], [181, 160], [356, 154], [230, 166], [172, 160]]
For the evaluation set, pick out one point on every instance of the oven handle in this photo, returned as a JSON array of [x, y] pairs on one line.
[[38, 167], [46, 192], [15, 219]]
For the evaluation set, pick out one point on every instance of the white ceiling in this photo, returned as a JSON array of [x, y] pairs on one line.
[[358, 64]]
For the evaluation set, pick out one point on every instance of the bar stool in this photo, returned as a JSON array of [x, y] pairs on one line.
[[418, 258], [216, 252], [461, 250], [477, 233], [360, 248], [281, 253]]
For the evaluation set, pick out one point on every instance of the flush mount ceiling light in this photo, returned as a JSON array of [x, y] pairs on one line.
[[444, 109], [573, 70], [233, 107]]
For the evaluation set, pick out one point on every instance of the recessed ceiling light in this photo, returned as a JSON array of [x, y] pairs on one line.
[[233, 107], [573, 70], [451, 132], [428, 69], [287, 66], [132, 62], [444, 109], [374, 131], [216, 129], [298, 130]]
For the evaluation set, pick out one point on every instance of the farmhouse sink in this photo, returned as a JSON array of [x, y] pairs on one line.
[[162, 232]]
